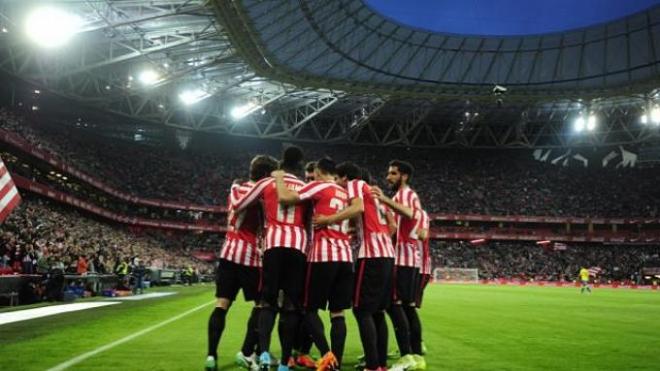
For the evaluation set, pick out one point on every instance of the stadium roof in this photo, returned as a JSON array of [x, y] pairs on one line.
[[506, 17], [337, 71]]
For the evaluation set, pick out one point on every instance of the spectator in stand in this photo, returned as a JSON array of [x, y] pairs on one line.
[[4, 257], [99, 264], [29, 260], [139, 270], [81, 267]]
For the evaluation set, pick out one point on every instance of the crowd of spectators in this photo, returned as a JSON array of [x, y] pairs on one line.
[[148, 171], [44, 174], [525, 260], [40, 235], [450, 181]]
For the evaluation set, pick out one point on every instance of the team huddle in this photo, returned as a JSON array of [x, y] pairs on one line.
[[332, 242]]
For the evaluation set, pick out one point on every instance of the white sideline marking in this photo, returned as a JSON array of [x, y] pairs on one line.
[[150, 295], [23, 315], [84, 356]]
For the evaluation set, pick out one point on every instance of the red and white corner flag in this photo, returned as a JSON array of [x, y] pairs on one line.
[[9, 197]]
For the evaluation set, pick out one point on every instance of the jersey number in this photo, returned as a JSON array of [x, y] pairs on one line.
[[286, 214], [380, 212], [338, 205]]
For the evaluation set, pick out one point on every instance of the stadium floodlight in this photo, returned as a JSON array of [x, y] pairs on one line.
[[50, 27], [239, 112], [644, 119], [579, 124], [189, 97], [655, 115], [148, 77], [591, 122]]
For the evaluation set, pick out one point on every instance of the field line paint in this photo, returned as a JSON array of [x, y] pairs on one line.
[[101, 349], [50, 310], [150, 295]]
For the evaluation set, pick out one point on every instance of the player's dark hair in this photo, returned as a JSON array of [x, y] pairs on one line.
[[404, 168], [349, 170], [310, 166], [365, 175], [261, 166], [326, 165], [291, 159]]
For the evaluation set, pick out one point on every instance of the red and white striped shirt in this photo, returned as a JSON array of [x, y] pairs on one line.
[[407, 248], [372, 229], [425, 223], [285, 225], [9, 197], [331, 242], [241, 245]]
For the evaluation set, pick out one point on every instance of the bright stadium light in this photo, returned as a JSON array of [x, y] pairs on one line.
[[591, 122], [148, 77], [51, 27], [579, 124], [655, 115], [644, 119], [239, 112], [189, 97]]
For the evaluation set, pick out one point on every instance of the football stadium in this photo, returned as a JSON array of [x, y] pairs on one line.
[[329, 185]]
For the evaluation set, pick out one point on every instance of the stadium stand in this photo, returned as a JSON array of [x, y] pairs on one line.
[[528, 261], [462, 182], [40, 235]]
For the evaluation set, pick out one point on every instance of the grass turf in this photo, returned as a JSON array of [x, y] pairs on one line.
[[465, 328]]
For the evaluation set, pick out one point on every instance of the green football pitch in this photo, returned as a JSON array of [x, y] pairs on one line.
[[466, 327]]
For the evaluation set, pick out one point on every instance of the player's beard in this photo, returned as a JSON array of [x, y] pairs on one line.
[[394, 187]]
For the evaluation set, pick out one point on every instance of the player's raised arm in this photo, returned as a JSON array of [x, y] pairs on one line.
[[356, 208], [252, 195], [285, 195], [398, 208]]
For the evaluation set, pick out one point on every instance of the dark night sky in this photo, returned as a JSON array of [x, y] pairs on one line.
[[506, 17]]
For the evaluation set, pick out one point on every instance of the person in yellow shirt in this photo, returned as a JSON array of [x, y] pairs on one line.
[[584, 278]]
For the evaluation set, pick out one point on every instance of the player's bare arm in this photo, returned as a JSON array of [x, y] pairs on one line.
[[395, 206], [285, 195], [356, 208]]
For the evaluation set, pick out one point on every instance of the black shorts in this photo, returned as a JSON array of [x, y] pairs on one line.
[[284, 269], [373, 284], [232, 277], [328, 285], [424, 280], [406, 283]]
